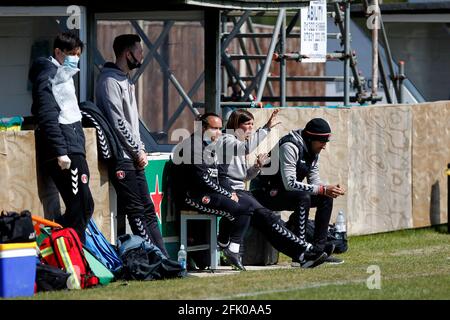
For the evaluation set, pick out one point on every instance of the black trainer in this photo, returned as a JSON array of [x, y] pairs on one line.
[[334, 260], [310, 259], [329, 248], [233, 259]]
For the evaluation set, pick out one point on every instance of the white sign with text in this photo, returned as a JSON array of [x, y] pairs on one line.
[[313, 34]]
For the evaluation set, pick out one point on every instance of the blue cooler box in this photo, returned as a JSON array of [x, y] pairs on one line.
[[17, 269]]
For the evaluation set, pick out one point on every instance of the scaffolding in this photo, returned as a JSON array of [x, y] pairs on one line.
[[256, 85]]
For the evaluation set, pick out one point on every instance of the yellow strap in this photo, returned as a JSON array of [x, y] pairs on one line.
[[448, 172], [68, 263], [46, 252]]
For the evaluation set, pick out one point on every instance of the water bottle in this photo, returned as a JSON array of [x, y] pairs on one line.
[[182, 257], [340, 222]]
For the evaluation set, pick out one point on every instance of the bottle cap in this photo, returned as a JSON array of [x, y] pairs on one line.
[[182, 247]]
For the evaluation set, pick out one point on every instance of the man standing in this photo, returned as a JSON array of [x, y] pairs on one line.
[[115, 95], [299, 159], [59, 137]]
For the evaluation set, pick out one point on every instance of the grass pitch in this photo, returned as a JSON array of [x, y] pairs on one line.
[[409, 264]]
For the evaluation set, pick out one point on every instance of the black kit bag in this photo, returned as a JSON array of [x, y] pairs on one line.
[[339, 239], [16, 228], [50, 278]]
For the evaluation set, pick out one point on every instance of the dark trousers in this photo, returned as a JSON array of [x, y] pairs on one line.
[[300, 202], [235, 217], [271, 225], [73, 185], [133, 200]]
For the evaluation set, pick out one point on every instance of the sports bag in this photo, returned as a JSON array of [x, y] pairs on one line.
[[50, 278], [145, 261], [104, 275], [15, 227], [63, 249], [97, 244]]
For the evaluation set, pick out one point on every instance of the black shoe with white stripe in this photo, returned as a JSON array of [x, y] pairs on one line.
[[310, 259], [233, 259], [329, 249]]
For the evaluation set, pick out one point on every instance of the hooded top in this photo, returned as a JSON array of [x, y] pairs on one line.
[[55, 106], [296, 163], [235, 168], [115, 96]]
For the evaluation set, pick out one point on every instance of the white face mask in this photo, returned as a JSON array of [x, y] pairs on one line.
[[71, 61], [208, 135]]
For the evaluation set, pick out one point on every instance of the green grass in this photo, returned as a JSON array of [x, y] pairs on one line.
[[414, 264]]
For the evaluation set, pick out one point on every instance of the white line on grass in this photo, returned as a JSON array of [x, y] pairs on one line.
[[320, 284]]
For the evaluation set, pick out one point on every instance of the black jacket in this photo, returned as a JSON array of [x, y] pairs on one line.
[[52, 138], [108, 144], [197, 174]]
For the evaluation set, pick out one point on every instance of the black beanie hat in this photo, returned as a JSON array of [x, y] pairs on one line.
[[317, 129]]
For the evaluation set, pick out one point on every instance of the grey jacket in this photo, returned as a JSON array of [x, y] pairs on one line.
[[290, 163], [115, 95], [235, 168]]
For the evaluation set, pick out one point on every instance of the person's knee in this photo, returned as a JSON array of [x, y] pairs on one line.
[[304, 200], [327, 201]]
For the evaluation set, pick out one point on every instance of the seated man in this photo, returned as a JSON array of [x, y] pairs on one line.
[[299, 155], [197, 184]]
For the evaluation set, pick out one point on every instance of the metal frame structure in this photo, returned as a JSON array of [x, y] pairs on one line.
[[219, 65]]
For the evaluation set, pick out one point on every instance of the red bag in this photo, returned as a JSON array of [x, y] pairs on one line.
[[63, 249]]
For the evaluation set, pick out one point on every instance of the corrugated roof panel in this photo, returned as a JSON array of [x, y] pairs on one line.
[[250, 4]]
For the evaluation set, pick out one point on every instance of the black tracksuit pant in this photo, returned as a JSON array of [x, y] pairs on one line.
[[273, 227], [73, 185], [133, 200], [300, 202], [235, 216]]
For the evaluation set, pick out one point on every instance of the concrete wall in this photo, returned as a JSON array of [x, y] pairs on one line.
[[391, 159]]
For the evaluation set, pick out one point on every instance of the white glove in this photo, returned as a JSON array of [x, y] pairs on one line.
[[64, 162]]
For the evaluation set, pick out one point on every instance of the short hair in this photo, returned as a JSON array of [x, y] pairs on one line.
[[204, 118], [124, 42], [67, 41], [238, 117]]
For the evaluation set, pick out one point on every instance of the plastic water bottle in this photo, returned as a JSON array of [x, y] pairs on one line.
[[340, 222], [182, 257]]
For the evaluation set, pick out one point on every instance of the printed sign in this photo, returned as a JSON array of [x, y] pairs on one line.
[[313, 33]]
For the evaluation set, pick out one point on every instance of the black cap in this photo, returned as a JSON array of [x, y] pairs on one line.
[[317, 129]]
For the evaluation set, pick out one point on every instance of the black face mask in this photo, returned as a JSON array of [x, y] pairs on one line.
[[135, 64]]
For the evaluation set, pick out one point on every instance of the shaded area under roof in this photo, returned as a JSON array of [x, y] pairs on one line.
[[166, 4]]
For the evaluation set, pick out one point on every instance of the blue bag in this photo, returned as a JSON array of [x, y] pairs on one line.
[[101, 248]]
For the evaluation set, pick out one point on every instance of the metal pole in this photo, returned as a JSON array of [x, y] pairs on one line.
[[347, 54], [224, 74], [353, 64], [212, 53], [244, 51], [165, 53], [384, 80], [257, 48], [375, 50], [267, 63], [401, 77], [283, 63]]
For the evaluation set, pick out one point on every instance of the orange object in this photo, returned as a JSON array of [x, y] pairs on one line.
[[39, 221]]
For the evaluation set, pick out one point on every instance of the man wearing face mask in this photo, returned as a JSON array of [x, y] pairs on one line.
[[197, 185], [115, 96], [60, 138]]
